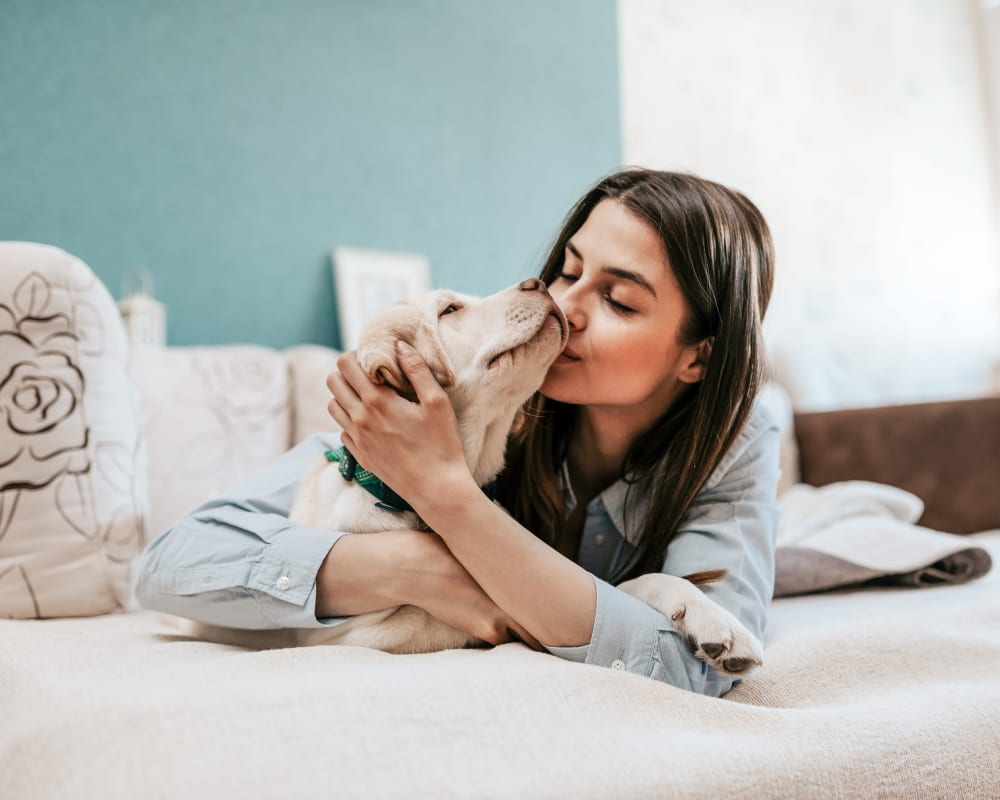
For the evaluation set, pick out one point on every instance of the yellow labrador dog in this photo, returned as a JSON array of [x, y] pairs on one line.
[[490, 355]]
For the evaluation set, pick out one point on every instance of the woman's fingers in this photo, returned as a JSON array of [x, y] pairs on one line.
[[349, 384], [353, 393], [335, 406], [503, 630], [439, 584], [335, 410], [425, 385], [343, 392], [497, 627], [522, 635], [355, 376]]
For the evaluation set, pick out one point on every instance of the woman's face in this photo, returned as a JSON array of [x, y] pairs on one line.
[[625, 311]]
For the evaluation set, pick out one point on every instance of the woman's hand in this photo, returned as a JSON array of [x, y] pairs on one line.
[[415, 448], [373, 571], [445, 590]]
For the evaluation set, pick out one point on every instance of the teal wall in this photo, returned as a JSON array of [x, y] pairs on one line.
[[230, 145]]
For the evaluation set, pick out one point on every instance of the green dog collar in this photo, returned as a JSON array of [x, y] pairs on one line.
[[351, 470], [387, 499]]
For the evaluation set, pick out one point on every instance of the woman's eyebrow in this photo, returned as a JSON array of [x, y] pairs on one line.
[[628, 275], [618, 272]]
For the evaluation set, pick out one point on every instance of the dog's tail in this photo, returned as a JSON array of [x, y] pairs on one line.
[[708, 576]]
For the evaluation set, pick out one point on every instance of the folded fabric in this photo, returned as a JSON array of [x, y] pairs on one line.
[[860, 533]]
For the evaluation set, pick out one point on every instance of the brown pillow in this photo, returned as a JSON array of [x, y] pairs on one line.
[[946, 453]]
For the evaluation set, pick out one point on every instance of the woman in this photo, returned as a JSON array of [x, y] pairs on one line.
[[643, 451]]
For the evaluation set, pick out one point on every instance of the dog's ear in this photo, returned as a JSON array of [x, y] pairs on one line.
[[377, 348]]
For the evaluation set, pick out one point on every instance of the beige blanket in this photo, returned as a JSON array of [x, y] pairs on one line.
[[880, 693]]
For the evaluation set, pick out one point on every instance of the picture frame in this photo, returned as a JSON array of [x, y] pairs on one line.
[[368, 281]]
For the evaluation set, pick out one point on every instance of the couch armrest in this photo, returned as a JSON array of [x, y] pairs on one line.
[[948, 454]]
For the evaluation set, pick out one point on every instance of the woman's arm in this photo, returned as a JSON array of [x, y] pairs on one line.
[[415, 568], [732, 526], [414, 449], [551, 596], [237, 561]]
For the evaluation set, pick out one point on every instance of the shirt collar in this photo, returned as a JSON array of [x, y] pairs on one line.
[[613, 499], [613, 502]]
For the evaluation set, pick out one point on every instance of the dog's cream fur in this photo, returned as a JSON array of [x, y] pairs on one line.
[[490, 355]]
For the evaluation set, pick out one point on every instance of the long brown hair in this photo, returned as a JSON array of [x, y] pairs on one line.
[[719, 248]]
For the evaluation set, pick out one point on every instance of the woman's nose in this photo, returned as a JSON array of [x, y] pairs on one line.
[[571, 307], [531, 285]]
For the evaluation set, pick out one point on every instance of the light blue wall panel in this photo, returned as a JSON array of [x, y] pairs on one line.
[[229, 145]]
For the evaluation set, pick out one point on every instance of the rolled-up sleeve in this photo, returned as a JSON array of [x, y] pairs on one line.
[[630, 636], [238, 561], [731, 526]]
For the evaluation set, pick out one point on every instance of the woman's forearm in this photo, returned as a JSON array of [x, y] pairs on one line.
[[355, 578], [551, 596], [375, 571]]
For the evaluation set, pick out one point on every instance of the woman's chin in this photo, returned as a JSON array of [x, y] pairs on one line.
[[555, 389]]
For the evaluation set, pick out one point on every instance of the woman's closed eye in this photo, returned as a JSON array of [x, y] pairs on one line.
[[621, 308], [617, 305]]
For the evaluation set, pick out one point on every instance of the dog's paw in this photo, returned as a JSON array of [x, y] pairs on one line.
[[717, 637], [713, 634]]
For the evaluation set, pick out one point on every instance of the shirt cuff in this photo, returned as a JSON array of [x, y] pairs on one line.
[[628, 635], [625, 633], [284, 580]]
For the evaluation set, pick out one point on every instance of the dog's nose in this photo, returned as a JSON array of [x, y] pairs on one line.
[[532, 285]]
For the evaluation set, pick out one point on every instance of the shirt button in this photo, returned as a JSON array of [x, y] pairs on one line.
[[599, 539], [618, 664], [282, 582]]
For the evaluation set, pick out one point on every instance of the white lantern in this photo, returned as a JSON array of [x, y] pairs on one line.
[[145, 318]]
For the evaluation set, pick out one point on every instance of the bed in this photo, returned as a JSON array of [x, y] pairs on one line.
[[873, 693], [867, 691]]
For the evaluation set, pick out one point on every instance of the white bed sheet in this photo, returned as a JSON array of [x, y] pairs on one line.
[[864, 694]]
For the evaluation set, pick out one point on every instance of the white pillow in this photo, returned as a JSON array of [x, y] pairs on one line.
[[213, 416], [72, 461], [308, 366]]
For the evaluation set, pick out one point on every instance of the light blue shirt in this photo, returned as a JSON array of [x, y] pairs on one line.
[[239, 562]]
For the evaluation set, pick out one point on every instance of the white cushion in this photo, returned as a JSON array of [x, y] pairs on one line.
[[213, 416], [308, 366], [73, 494]]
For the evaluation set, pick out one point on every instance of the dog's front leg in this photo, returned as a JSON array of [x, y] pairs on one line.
[[713, 634]]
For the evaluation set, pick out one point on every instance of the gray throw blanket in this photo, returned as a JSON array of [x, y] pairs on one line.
[[858, 533]]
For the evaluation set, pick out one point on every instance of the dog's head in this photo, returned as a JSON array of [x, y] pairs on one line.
[[492, 350]]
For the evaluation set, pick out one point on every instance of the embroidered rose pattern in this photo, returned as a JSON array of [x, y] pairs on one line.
[[71, 493], [42, 429]]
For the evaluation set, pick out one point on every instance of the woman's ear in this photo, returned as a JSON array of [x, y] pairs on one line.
[[696, 361]]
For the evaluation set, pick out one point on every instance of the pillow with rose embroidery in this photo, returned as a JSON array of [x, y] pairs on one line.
[[72, 482]]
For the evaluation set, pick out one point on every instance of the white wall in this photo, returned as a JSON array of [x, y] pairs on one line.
[[862, 131], [990, 43]]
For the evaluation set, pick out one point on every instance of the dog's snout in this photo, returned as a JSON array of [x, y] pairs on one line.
[[531, 285]]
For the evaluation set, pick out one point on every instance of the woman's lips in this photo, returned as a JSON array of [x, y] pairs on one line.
[[567, 356]]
